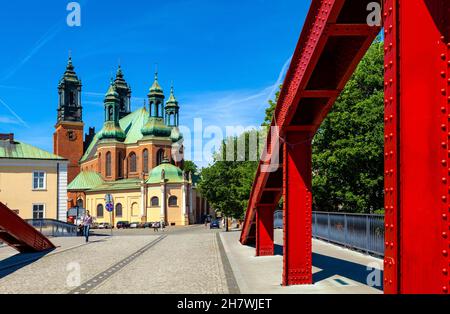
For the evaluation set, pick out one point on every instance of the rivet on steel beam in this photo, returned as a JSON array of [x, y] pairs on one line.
[[445, 289], [445, 252], [443, 56], [444, 216], [444, 180], [443, 109], [445, 271], [444, 235], [444, 162], [443, 127]]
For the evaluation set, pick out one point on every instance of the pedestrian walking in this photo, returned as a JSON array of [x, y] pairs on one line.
[[87, 223]]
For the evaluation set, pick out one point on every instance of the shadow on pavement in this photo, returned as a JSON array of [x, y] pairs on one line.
[[18, 261], [331, 266]]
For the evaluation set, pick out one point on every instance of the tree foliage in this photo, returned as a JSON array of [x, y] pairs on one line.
[[348, 148], [227, 183]]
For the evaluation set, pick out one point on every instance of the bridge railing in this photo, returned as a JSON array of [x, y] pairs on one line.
[[355, 231], [53, 228]]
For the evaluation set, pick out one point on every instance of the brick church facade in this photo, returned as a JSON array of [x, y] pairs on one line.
[[135, 157]]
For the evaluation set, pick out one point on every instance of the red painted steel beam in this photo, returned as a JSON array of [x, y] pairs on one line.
[[321, 23], [417, 150], [297, 195], [264, 230], [20, 235]]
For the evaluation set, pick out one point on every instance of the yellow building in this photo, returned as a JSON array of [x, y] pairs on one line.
[[168, 194], [33, 182]]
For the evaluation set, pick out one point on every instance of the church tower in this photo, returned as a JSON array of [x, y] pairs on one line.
[[124, 92], [68, 136], [172, 110]]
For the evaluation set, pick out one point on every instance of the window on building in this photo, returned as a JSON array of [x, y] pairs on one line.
[[133, 165], [38, 180], [72, 99], [154, 201], [80, 203], [99, 162], [38, 211], [145, 161], [120, 165], [134, 209], [108, 164], [119, 210], [159, 157], [100, 211], [173, 201]]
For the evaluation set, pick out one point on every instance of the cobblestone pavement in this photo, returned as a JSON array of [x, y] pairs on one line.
[[187, 261], [180, 263]]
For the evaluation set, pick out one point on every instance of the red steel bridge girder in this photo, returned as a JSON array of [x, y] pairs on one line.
[[264, 231], [417, 134], [297, 195], [417, 146]]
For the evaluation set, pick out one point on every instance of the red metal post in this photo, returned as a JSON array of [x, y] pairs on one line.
[[297, 264], [264, 231], [417, 146]]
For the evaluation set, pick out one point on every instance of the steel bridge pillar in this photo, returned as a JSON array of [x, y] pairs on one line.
[[297, 195], [417, 164], [264, 231]]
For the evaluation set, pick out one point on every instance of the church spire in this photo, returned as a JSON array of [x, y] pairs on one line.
[[111, 128], [124, 91], [172, 110], [69, 90]]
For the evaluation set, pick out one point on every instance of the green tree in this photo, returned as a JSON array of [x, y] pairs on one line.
[[348, 148], [271, 109], [227, 183], [190, 166]]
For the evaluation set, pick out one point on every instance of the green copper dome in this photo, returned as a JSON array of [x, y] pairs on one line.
[[172, 174], [172, 101], [156, 127], [156, 88], [111, 94], [111, 128], [112, 131]]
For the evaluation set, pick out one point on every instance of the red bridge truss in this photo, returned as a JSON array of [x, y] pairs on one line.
[[334, 39]]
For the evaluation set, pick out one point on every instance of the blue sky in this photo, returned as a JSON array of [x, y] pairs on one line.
[[225, 57]]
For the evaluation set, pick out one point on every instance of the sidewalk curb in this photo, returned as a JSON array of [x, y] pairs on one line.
[[241, 285]]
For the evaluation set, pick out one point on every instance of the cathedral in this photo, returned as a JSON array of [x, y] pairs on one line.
[[134, 157]]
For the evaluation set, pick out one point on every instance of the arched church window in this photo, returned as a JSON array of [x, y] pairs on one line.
[[119, 210], [99, 162], [133, 165], [110, 114], [173, 201], [80, 203], [157, 109], [145, 161], [108, 164], [154, 201], [99, 211], [159, 157], [120, 165], [134, 209], [72, 99]]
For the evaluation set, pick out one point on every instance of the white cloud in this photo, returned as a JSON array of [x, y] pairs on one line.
[[8, 120]]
